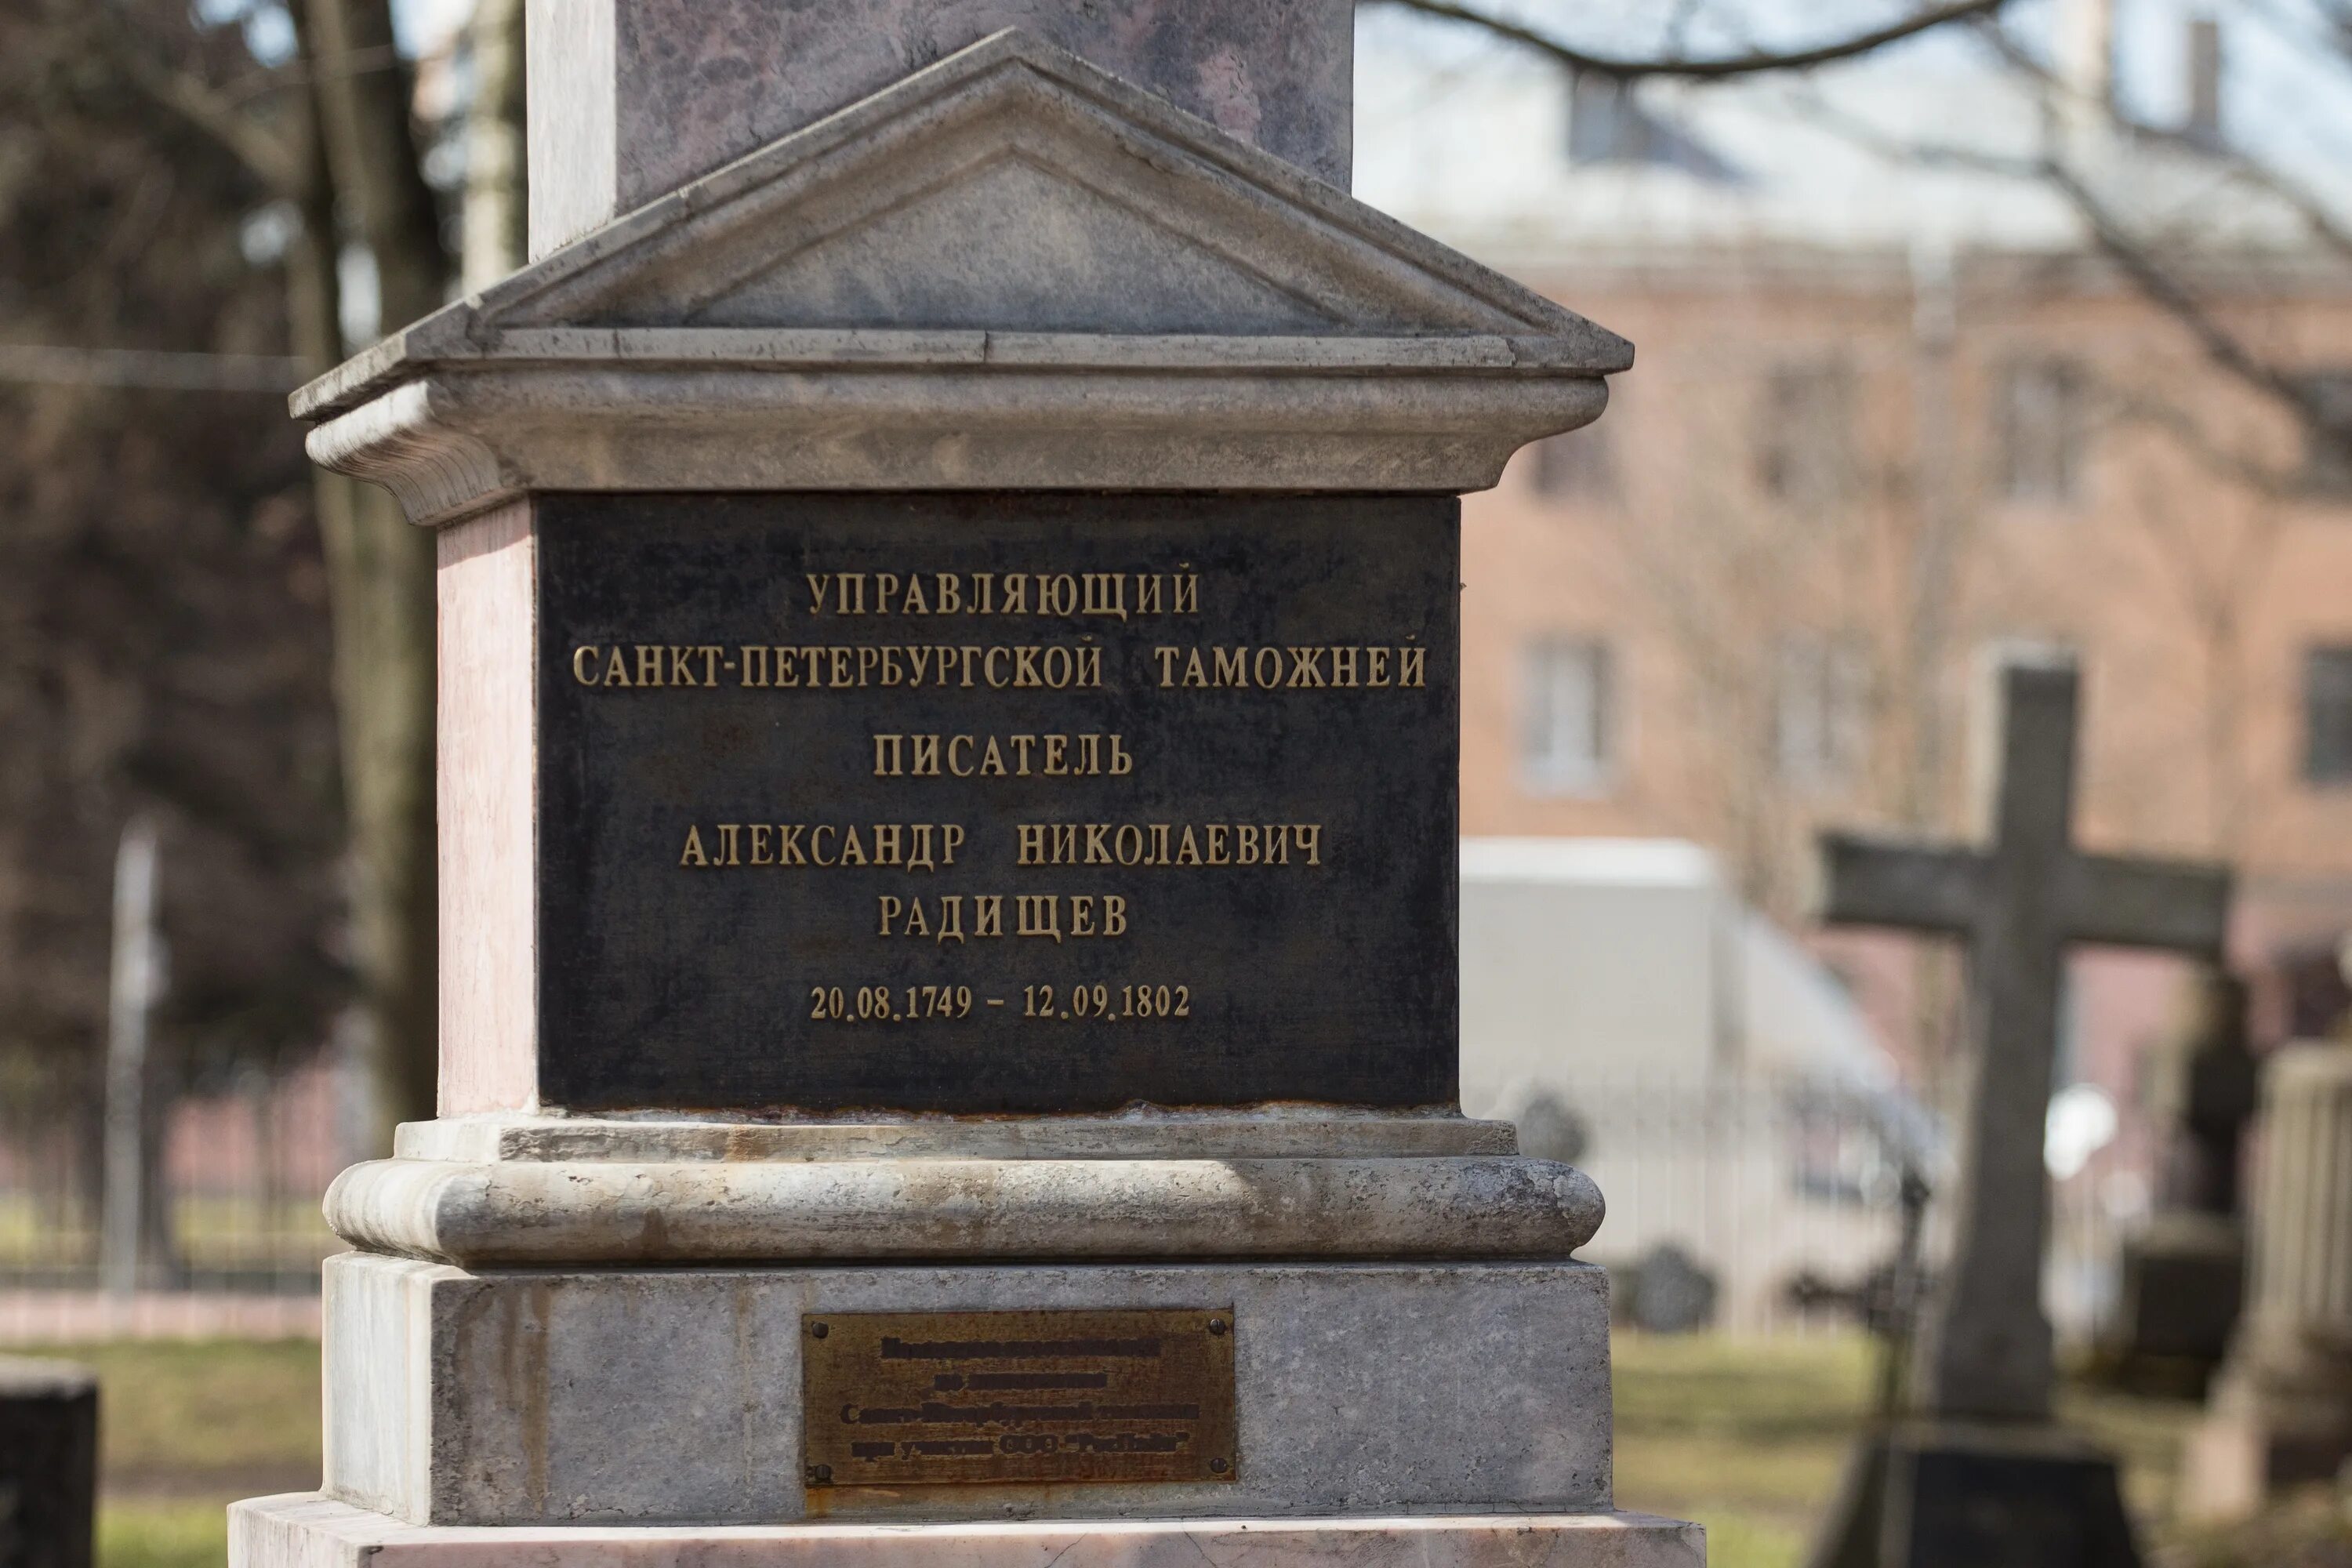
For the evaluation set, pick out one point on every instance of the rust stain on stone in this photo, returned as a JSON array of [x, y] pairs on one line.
[[526, 1358]]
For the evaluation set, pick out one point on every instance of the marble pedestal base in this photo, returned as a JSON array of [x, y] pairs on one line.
[[673, 1395], [307, 1530]]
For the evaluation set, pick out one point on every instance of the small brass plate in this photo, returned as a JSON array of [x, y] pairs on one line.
[[921, 1399]]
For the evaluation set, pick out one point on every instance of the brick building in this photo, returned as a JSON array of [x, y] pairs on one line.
[[1890, 409]]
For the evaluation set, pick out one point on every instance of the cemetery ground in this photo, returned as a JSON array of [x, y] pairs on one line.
[[1746, 1436]]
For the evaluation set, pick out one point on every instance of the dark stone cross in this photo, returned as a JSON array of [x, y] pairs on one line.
[[2017, 903]]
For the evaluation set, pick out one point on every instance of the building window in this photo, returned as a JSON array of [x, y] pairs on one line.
[[1608, 123], [2327, 439], [1579, 466], [1804, 447], [2041, 432], [1821, 686], [2202, 125], [2327, 715], [1570, 716]]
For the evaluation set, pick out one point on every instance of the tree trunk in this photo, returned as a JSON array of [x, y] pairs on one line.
[[372, 156], [379, 566], [380, 578], [496, 227]]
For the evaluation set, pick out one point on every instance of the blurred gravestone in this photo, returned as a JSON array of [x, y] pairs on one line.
[[1549, 1130], [2183, 1277], [48, 1463], [1667, 1292]]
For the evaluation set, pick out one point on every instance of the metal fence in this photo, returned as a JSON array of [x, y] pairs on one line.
[[1767, 1193], [230, 1234], [1787, 1197]]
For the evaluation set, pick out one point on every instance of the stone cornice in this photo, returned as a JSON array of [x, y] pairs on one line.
[[456, 441]]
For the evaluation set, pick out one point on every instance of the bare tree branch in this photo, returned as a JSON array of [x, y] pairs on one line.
[[1678, 26], [2324, 224], [150, 369], [2189, 435], [1811, 106], [2176, 300], [2338, 17], [299, 72], [2135, 258], [1749, 64], [208, 111]]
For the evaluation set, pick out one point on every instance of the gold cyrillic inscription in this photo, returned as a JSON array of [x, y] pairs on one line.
[[1169, 844], [1290, 668], [1001, 756], [1116, 595], [909, 845], [942, 919]]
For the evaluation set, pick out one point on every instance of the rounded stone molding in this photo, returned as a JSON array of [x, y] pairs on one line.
[[545, 1212], [1256, 1134], [397, 441]]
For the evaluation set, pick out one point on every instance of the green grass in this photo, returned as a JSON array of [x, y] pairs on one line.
[[211, 1232], [186, 1428], [187, 1418], [2311, 1529], [162, 1533], [1747, 1437]]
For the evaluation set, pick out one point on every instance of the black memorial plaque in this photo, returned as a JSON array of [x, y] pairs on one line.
[[1193, 757]]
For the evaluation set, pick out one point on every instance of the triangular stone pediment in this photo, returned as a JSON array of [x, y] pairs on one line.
[[1011, 240], [1009, 272], [1013, 188]]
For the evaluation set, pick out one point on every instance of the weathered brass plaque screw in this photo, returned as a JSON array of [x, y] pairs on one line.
[[1216, 1325], [818, 1330], [821, 1473], [1219, 1466]]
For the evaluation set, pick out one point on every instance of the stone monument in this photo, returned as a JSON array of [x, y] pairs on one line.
[[48, 1463], [1978, 1472], [2182, 1277], [948, 740], [2282, 1407]]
